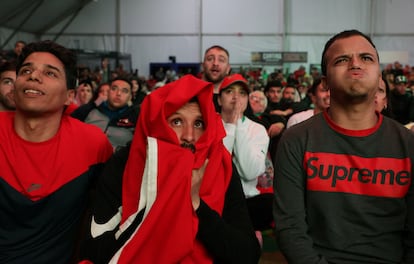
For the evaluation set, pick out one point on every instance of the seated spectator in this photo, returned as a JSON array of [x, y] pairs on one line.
[[256, 110], [289, 104], [83, 93], [382, 102], [101, 93], [7, 79], [71, 106], [274, 124], [137, 92], [48, 161], [401, 100], [273, 92], [172, 196], [338, 198], [248, 143], [17, 50], [320, 97], [114, 117], [305, 99]]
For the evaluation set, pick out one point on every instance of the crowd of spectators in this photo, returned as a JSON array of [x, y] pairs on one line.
[[298, 81], [267, 104], [287, 93]]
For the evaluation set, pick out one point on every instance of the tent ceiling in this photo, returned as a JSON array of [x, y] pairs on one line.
[[37, 16]]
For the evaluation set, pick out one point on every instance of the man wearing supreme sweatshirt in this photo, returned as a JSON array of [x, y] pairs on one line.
[[343, 178]]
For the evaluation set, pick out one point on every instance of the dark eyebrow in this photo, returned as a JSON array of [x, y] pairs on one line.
[[47, 66], [367, 53], [53, 67], [27, 64], [341, 56]]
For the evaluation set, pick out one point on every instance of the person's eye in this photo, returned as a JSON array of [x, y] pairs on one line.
[[176, 122], [7, 82], [222, 60], [51, 74], [24, 71], [199, 124], [367, 58], [341, 60]]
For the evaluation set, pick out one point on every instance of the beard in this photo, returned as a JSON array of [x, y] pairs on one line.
[[8, 102], [189, 146], [356, 98], [209, 78]]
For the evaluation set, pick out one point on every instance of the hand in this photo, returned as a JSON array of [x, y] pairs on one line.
[[286, 112], [275, 129], [101, 98], [196, 180], [236, 113]]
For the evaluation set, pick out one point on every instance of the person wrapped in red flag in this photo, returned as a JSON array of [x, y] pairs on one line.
[[172, 196]]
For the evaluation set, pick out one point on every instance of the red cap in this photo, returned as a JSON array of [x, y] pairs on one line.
[[232, 79]]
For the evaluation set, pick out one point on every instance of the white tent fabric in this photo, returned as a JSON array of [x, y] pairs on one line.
[[151, 31]]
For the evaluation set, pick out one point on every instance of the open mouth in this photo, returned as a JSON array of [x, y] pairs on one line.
[[33, 92]]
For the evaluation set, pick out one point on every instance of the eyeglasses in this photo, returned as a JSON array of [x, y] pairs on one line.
[[123, 90], [257, 99]]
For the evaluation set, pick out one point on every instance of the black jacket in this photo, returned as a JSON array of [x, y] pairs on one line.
[[228, 238]]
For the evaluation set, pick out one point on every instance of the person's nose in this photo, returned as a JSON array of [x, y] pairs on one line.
[[355, 62], [236, 94], [187, 134], [35, 75]]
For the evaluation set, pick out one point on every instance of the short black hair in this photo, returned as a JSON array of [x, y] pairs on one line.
[[66, 56], [388, 110], [274, 83], [122, 78], [314, 86], [9, 65], [342, 35], [86, 82], [20, 42]]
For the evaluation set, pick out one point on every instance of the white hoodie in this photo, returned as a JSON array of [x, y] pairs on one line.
[[248, 143]]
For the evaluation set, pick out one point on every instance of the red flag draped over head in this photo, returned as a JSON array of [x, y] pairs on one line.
[[158, 175]]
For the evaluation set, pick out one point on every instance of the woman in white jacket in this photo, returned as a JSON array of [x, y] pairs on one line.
[[248, 143]]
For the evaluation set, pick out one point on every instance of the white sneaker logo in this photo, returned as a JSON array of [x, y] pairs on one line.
[[99, 229]]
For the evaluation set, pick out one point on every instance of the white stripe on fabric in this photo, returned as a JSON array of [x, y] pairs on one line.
[[148, 193]]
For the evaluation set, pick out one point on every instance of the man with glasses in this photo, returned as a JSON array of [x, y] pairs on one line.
[[116, 116]]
